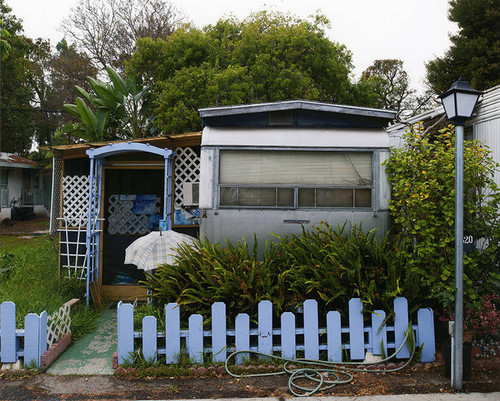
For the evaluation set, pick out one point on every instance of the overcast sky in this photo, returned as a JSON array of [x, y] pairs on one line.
[[414, 31]]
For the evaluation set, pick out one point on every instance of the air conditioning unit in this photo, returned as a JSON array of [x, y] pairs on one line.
[[191, 193]]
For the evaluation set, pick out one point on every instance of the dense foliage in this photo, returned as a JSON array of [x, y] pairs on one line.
[[333, 265], [206, 273], [269, 56], [422, 174], [475, 51], [114, 110], [324, 263], [16, 114]]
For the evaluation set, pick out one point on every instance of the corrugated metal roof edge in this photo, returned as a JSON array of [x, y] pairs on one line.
[[295, 104]]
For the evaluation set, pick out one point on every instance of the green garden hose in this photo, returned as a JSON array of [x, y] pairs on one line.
[[319, 372]]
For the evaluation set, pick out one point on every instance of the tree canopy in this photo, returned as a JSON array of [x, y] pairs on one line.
[[108, 29], [269, 56], [475, 51], [16, 111]]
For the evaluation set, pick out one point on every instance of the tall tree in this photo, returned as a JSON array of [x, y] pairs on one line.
[[53, 77], [108, 29], [16, 111], [269, 56], [391, 84], [475, 51]]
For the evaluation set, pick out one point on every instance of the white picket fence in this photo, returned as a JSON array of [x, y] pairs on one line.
[[285, 340], [29, 343]]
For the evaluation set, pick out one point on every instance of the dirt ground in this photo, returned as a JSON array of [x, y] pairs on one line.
[[24, 227], [419, 379]]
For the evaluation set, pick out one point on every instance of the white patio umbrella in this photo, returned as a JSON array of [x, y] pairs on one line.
[[155, 248]]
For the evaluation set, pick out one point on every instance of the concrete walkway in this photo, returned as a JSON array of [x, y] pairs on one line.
[[92, 354]]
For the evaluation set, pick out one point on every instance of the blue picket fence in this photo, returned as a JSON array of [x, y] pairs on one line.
[[29, 343], [335, 339]]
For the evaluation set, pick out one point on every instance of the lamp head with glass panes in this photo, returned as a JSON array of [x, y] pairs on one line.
[[459, 101]]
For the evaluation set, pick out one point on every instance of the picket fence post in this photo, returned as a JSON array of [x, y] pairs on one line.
[[219, 332], [172, 332], [195, 343], [288, 342], [34, 332], [356, 329], [426, 334], [265, 316], [8, 343], [149, 343], [125, 331], [334, 336], [379, 333]]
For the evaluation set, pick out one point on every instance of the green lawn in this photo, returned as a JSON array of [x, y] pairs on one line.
[[29, 278]]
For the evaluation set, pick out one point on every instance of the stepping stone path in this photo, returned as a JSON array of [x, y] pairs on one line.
[[93, 353]]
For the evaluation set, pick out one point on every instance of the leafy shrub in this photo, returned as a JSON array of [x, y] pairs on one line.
[[206, 273], [325, 264], [422, 174], [335, 265]]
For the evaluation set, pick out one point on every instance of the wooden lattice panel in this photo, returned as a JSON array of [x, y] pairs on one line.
[[58, 324], [75, 199], [187, 169]]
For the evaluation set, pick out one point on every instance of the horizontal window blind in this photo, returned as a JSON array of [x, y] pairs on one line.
[[342, 169]]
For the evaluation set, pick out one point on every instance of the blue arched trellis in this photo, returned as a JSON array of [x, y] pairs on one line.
[[97, 160]]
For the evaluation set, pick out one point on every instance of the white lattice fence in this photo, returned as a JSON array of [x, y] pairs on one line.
[[75, 199], [123, 220], [187, 169], [58, 324]]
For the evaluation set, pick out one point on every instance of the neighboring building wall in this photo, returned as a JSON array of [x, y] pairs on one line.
[[486, 124], [15, 183], [232, 223], [16, 191]]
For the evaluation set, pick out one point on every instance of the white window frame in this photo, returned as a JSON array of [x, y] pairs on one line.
[[373, 187]]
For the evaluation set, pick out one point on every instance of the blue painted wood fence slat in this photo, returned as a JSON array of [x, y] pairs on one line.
[[195, 341], [34, 334], [43, 335], [314, 337], [242, 336], [219, 332], [8, 328], [125, 330], [265, 339], [334, 336], [172, 332], [425, 331], [288, 338], [311, 339], [379, 334], [31, 339], [401, 322], [356, 329], [149, 343]]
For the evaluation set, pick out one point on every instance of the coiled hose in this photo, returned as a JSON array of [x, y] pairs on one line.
[[321, 370]]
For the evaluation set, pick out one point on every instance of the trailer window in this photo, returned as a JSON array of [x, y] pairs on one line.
[[295, 179]]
